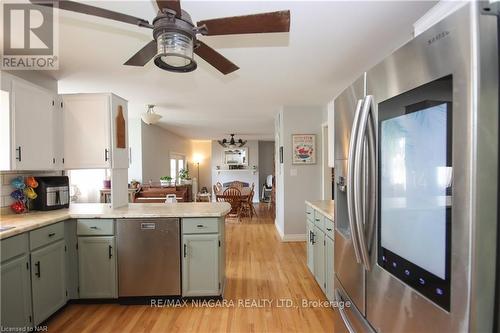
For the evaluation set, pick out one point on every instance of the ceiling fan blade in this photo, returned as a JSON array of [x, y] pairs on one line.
[[174, 5], [91, 10], [214, 58], [144, 55], [249, 24]]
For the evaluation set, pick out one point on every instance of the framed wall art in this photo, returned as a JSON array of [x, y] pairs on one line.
[[304, 148]]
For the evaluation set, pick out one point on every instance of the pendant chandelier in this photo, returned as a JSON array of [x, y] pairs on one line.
[[232, 143], [150, 117]]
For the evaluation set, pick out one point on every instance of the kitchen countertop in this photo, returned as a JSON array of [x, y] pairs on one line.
[[37, 219], [325, 207]]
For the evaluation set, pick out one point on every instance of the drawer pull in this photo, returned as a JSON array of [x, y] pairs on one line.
[[200, 226], [317, 220], [52, 234], [94, 227], [329, 229], [308, 213]]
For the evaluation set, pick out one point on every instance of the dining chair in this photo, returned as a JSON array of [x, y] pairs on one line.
[[247, 205], [232, 195], [237, 184]]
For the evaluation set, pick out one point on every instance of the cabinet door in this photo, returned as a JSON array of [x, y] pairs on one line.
[[58, 134], [32, 127], [119, 155], [310, 246], [16, 293], [48, 280], [200, 269], [329, 273], [319, 257], [86, 131], [97, 267]]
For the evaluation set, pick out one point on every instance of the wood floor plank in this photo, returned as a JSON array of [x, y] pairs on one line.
[[258, 267]]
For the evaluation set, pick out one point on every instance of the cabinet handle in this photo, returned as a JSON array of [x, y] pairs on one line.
[[106, 157], [329, 229], [310, 236], [313, 236], [52, 234], [308, 213], [18, 150], [317, 220], [37, 273], [185, 250], [110, 251]]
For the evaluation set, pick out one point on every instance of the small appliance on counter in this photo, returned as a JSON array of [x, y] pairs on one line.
[[53, 193]]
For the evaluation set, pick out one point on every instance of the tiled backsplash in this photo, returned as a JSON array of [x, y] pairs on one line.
[[7, 176]]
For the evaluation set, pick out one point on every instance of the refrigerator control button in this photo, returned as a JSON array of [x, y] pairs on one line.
[[384, 259], [439, 291], [394, 264], [421, 281], [407, 272]]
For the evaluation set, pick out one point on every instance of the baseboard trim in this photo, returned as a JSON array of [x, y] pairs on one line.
[[289, 237]]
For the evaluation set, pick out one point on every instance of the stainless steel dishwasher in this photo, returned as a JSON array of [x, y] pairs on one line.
[[149, 257]]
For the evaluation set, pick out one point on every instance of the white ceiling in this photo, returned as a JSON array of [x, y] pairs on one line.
[[329, 45]]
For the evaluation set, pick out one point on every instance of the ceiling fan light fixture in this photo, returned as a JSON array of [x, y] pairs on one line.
[[150, 117], [175, 52]]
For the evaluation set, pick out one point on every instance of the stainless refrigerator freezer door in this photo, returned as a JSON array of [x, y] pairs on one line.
[[345, 105], [350, 274], [450, 48], [148, 257]]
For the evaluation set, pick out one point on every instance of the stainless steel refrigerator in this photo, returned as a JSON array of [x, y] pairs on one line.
[[416, 161]]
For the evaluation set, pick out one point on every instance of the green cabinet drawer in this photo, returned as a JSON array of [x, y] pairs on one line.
[[13, 246], [329, 227], [309, 213], [200, 225], [46, 235], [319, 220], [95, 227]]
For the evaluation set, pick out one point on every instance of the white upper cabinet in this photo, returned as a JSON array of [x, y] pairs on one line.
[[92, 126], [27, 124], [331, 136]]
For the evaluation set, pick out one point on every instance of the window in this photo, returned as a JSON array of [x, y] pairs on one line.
[[177, 162]]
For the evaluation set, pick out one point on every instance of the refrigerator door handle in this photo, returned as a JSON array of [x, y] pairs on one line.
[[345, 319], [351, 192], [364, 206]]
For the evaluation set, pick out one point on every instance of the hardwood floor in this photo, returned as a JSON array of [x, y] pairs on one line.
[[259, 269]]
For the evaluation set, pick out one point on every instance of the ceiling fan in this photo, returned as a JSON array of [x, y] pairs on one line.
[[174, 33]]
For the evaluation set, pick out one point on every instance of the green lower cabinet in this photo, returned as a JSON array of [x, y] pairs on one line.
[[48, 280], [310, 245], [329, 273], [319, 257], [97, 267], [16, 293], [200, 265]]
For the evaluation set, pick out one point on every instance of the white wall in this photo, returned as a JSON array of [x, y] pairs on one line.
[[266, 160], [249, 176], [157, 145], [297, 183]]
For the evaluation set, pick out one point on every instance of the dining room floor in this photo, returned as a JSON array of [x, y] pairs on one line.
[[268, 289]]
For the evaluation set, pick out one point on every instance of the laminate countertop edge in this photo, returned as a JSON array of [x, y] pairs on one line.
[[325, 207], [30, 221]]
